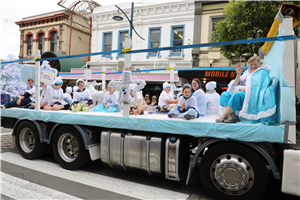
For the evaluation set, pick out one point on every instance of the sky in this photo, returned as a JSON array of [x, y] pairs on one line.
[[14, 10]]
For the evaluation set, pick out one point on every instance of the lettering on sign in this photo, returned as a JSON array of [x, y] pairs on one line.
[[48, 77], [219, 74]]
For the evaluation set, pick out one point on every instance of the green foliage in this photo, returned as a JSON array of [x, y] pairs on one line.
[[246, 20]]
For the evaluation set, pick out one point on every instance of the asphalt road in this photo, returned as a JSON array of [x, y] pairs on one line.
[[147, 185]]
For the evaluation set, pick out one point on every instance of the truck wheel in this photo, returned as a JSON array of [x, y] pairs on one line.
[[28, 141], [233, 171], [68, 148]]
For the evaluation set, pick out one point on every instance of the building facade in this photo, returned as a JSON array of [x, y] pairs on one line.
[[51, 32], [160, 24]]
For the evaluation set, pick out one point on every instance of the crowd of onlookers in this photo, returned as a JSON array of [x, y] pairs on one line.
[[193, 103]]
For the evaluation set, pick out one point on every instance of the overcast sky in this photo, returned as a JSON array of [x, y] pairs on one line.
[[14, 10]]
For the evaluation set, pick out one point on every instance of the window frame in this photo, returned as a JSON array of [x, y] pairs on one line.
[[211, 18], [43, 42], [54, 49], [120, 43], [103, 44], [29, 44], [172, 53], [150, 54]]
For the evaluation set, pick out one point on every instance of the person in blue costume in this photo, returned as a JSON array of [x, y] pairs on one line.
[[110, 102], [200, 96], [187, 107], [235, 100]]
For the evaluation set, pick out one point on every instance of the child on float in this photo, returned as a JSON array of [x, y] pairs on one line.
[[68, 95], [110, 102], [43, 101], [136, 108], [82, 99], [187, 107], [54, 95], [166, 99], [213, 99]]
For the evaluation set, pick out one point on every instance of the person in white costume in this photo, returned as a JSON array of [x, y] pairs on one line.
[[200, 96], [75, 88], [110, 102], [187, 107], [213, 99], [43, 101], [54, 95], [82, 99], [68, 95], [137, 108], [166, 99]]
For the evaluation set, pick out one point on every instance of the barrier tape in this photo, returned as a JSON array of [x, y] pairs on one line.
[[257, 40]]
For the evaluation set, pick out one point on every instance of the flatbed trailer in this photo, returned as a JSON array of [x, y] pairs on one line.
[[233, 159]]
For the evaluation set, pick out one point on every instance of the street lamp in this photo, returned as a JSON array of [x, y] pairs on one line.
[[119, 18], [123, 85]]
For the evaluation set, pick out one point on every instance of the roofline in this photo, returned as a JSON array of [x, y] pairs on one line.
[[44, 13]]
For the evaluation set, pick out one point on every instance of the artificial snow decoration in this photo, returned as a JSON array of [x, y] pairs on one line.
[[11, 82]]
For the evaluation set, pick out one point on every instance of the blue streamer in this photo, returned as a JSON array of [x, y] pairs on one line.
[[257, 40]]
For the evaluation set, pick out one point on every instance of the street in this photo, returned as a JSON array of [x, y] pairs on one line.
[[45, 179]]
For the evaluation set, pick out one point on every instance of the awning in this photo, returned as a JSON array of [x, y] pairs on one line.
[[63, 65]]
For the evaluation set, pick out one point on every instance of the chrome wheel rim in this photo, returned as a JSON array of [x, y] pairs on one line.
[[67, 147], [27, 140], [232, 174]]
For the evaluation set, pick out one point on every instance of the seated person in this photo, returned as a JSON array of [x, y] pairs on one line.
[[54, 96], [153, 100], [110, 102], [213, 99], [147, 99], [30, 82], [82, 99], [136, 106], [68, 95], [200, 96], [24, 101], [234, 100], [187, 107], [166, 99], [43, 100]]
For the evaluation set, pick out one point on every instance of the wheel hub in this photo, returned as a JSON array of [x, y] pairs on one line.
[[232, 174], [67, 147], [27, 140]]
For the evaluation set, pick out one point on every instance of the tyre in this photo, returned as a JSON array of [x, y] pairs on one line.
[[28, 141], [233, 171], [68, 148]]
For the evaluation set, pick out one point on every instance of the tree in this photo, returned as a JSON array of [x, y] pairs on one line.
[[246, 20]]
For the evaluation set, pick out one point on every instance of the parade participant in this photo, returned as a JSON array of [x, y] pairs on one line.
[[136, 108], [54, 95], [68, 95], [75, 88], [43, 101], [187, 107], [166, 99], [82, 99], [110, 102], [234, 100], [29, 84], [24, 101], [200, 96], [213, 99]]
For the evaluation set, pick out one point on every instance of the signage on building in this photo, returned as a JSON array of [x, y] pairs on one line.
[[207, 74]]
